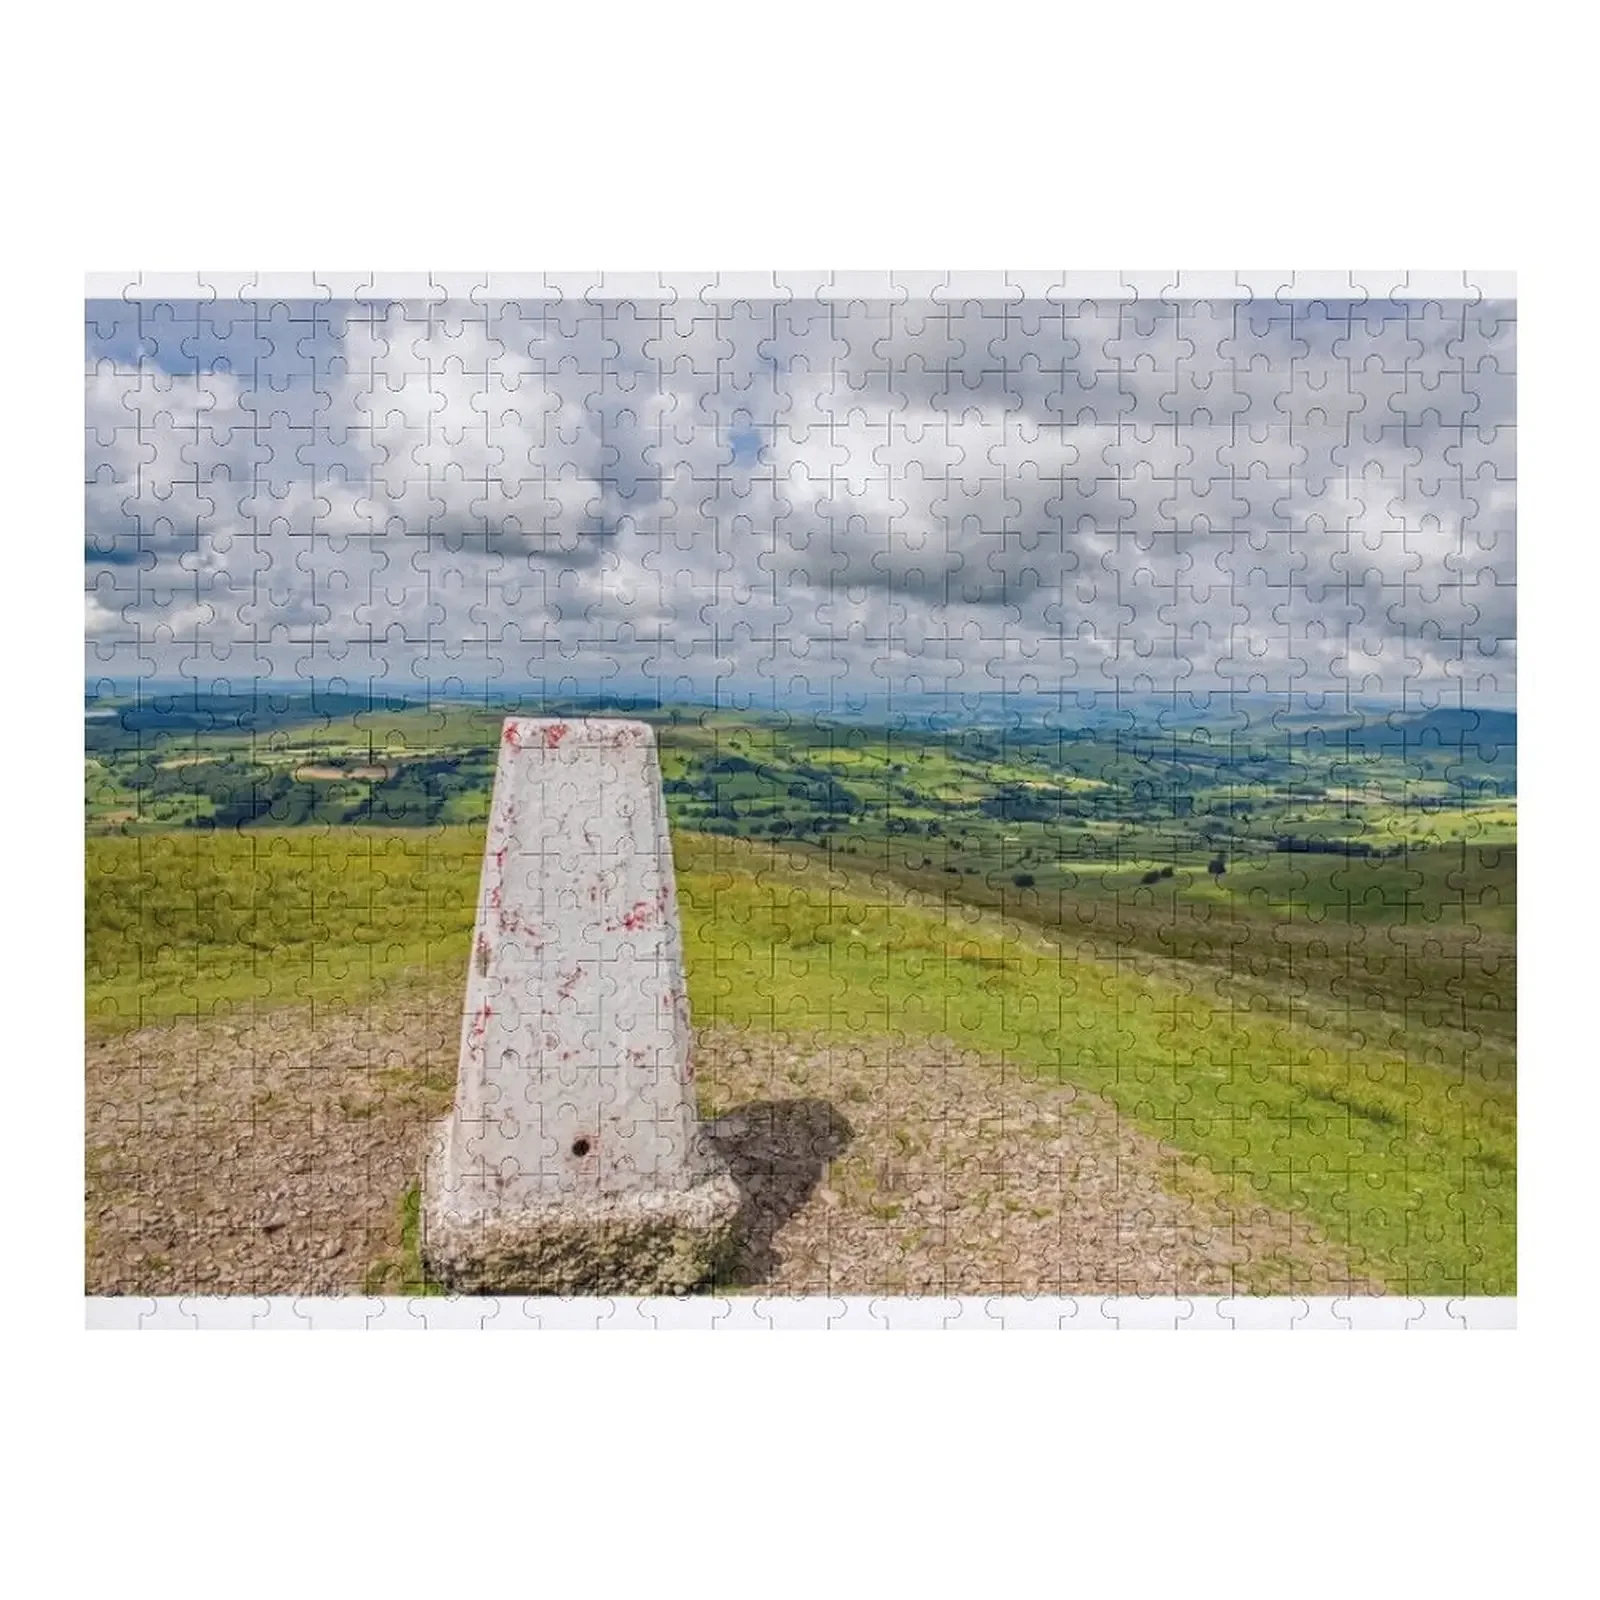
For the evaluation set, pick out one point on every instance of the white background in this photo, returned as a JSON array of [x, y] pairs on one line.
[[626, 137]]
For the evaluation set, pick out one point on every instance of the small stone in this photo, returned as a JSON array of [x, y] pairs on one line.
[[332, 1248]]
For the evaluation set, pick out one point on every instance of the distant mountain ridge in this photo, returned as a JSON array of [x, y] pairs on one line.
[[1488, 732]]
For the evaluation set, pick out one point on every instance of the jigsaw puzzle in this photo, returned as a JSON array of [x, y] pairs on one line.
[[836, 785]]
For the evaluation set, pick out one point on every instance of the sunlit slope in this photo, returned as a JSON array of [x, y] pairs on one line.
[[181, 924], [1409, 1165]]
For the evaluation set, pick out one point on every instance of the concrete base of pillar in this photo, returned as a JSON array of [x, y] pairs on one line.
[[641, 1242]]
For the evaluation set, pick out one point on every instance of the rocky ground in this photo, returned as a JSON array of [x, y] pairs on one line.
[[271, 1154]]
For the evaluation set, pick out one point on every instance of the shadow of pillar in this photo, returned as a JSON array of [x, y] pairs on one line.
[[777, 1151]]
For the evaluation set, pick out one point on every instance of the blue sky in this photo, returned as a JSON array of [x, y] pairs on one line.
[[804, 502]]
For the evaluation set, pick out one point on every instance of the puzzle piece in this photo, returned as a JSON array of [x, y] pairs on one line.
[[1086, 725]]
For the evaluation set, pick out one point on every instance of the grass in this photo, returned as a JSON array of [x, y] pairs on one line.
[[1407, 1163], [1401, 1152], [1418, 951], [183, 924], [402, 1272]]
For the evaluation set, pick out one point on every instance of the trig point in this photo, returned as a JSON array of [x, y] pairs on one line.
[[573, 1162]]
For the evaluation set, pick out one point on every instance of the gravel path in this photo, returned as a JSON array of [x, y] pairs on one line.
[[269, 1156], [884, 1168], [259, 1156]]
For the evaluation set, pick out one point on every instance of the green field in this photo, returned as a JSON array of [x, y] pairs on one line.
[[1310, 996]]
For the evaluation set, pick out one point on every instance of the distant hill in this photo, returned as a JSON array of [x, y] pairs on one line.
[[1468, 740], [189, 712], [1483, 734], [1488, 730]]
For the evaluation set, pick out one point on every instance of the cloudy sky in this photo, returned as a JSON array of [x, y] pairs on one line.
[[805, 503]]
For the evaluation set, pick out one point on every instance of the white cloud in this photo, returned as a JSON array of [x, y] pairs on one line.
[[971, 497]]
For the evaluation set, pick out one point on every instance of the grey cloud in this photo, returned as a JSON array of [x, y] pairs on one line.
[[979, 492]]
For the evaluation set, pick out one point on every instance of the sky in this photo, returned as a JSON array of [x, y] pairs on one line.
[[806, 503]]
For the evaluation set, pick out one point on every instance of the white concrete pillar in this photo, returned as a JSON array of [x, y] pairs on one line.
[[573, 1161]]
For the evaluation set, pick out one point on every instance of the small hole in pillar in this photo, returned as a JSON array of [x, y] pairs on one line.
[[580, 1147]]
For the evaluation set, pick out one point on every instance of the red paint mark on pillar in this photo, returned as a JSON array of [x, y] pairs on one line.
[[554, 734], [632, 921]]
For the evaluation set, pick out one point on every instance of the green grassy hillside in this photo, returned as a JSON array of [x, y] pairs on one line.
[[1399, 1148]]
